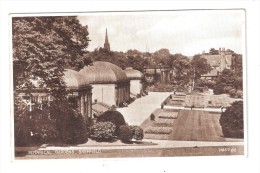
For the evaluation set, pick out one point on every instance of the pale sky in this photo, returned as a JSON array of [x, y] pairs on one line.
[[186, 32]]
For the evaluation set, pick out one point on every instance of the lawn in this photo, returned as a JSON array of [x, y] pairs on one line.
[[201, 101], [189, 125]]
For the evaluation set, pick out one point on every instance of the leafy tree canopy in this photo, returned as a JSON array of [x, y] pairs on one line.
[[43, 47], [199, 66]]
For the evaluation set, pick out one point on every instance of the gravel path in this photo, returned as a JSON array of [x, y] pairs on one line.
[[142, 107]]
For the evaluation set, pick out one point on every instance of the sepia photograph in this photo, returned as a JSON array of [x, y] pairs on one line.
[[129, 84]]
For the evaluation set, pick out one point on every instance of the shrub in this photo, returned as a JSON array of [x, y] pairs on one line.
[[138, 132], [126, 134], [232, 92], [239, 94], [227, 89], [103, 131], [115, 117], [73, 127], [35, 128], [218, 89], [232, 120], [152, 117], [158, 130]]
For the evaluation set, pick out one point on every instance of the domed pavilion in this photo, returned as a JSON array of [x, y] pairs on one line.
[[110, 83], [78, 88], [79, 92], [136, 80]]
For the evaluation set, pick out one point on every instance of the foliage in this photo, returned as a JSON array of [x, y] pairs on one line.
[[199, 66], [152, 117], [228, 82], [204, 82], [237, 64], [218, 89], [72, 125], [239, 94], [232, 121], [227, 89], [158, 130], [35, 128], [126, 133], [137, 62], [43, 47], [138, 132], [181, 66], [103, 130], [161, 57], [232, 92], [115, 117]]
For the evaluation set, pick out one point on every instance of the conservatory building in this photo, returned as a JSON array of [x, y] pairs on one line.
[[110, 83], [136, 81]]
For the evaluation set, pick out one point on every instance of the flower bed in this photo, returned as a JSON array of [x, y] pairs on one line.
[[158, 130], [165, 120], [168, 115], [164, 124]]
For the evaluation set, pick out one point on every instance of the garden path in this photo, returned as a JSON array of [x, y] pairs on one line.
[[142, 107]]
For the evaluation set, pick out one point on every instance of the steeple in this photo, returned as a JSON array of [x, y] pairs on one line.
[[106, 44]]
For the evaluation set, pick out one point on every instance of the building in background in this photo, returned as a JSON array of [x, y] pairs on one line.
[[106, 44], [218, 62]]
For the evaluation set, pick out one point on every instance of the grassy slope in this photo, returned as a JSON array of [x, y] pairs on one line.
[[191, 125]]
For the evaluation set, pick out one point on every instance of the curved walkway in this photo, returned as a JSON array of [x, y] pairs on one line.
[[141, 108]]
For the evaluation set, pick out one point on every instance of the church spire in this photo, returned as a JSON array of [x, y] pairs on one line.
[[106, 44]]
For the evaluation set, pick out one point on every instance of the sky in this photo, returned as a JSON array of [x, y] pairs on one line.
[[186, 32]]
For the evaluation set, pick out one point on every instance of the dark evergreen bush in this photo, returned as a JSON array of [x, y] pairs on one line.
[[138, 132], [73, 127], [126, 134], [218, 89], [103, 131], [152, 117], [113, 116], [232, 121]]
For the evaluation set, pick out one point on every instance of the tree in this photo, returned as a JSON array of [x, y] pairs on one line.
[[137, 62], [237, 64], [43, 47], [232, 120], [161, 56], [117, 58], [181, 66], [199, 66]]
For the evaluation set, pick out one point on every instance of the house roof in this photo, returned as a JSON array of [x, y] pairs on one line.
[[133, 74], [218, 60], [103, 73]]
